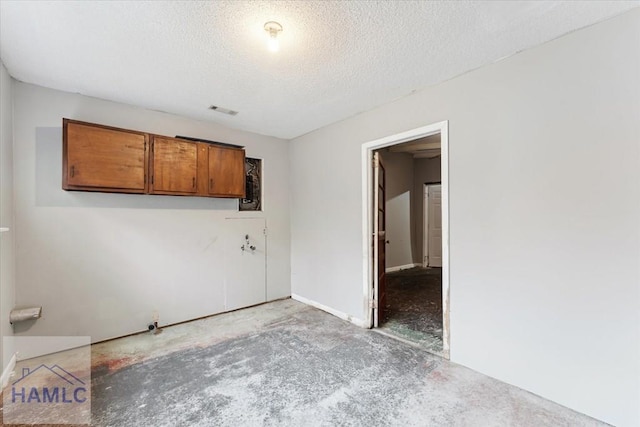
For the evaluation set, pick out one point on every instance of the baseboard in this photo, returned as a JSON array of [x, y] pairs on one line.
[[344, 316], [6, 374], [401, 267]]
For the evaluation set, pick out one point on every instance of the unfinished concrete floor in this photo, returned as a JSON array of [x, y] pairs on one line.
[[414, 307], [287, 364]]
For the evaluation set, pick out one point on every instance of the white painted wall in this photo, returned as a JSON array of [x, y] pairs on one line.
[[7, 262], [544, 220], [399, 221], [99, 264], [425, 170]]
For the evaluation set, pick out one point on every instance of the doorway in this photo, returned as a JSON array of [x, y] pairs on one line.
[[410, 227], [407, 271]]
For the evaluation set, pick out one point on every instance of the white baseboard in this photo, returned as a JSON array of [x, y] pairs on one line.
[[6, 374], [337, 313], [401, 267]]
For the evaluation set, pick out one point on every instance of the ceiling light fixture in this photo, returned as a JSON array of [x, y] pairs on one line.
[[273, 28]]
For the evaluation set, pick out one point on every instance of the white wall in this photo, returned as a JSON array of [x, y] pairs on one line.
[[544, 221], [399, 221], [99, 264], [424, 171], [7, 263]]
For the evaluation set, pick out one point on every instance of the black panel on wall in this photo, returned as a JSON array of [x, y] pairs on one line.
[[253, 182]]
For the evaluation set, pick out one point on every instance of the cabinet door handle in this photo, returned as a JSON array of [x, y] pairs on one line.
[[73, 171], [193, 182], [210, 182]]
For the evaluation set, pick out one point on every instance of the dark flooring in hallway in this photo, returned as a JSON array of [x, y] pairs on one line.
[[414, 307]]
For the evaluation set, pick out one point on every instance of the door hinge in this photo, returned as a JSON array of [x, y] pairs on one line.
[[264, 231], [373, 304]]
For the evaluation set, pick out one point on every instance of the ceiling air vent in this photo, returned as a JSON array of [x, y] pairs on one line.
[[223, 110]]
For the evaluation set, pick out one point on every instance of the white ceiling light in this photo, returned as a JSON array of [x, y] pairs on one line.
[[273, 28]]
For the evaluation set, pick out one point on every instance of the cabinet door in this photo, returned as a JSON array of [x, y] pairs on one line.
[[174, 166], [226, 172], [100, 158]]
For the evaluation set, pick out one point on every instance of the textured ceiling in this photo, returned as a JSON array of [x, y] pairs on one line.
[[337, 58]]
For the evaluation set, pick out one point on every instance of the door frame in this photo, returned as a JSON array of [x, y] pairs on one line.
[[369, 297], [379, 242], [425, 221]]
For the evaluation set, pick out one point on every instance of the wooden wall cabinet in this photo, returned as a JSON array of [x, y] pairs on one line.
[[174, 166], [226, 178], [102, 158], [184, 167]]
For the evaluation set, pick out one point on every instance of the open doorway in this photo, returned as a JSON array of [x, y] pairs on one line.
[[411, 297], [407, 228]]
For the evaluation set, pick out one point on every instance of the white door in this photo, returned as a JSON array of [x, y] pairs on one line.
[[434, 225], [245, 262]]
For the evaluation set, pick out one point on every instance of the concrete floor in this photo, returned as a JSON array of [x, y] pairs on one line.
[[288, 364], [414, 307]]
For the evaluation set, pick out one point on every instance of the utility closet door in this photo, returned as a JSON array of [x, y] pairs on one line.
[[245, 262], [435, 225]]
